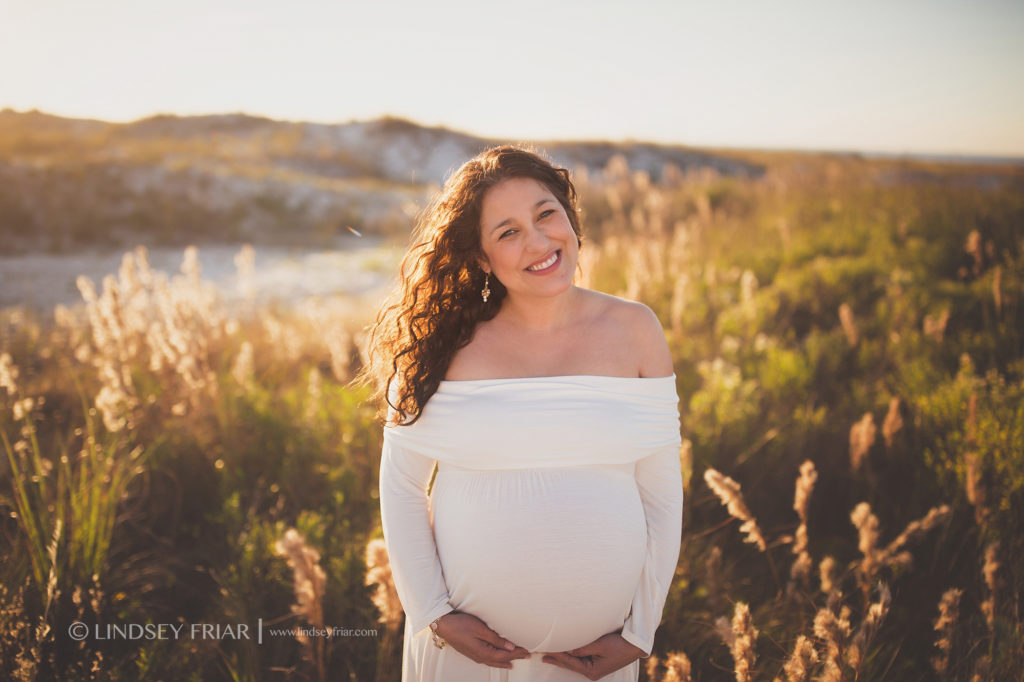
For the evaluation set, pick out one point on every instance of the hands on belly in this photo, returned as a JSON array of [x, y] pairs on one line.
[[601, 657], [471, 637]]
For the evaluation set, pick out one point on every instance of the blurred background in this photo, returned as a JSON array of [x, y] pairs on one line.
[[203, 204]]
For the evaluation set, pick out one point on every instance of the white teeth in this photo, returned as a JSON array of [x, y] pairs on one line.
[[548, 263]]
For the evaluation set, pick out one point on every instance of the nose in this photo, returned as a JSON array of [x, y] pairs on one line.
[[537, 239]]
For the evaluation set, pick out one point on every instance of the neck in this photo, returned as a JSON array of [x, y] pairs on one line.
[[541, 315]]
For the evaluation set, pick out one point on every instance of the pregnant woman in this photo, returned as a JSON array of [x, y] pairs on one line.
[[543, 548]]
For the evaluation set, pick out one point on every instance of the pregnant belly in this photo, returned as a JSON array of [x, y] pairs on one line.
[[548, 558]]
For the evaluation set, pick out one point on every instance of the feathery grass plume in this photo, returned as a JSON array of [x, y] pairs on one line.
[[858, 648], [832, 629], [741, 637], [283, 337], [973, 248], [976, 483], [116, 344], [744, 644], [748, 285], [977, 491], [703, 205], [893, 421], [88, 291], [310, 581], [748, 290], [637, 276], [677, 668], [8, 375], [723, 628], [181, 338], [242, 368], [115, 399], [651, 666], [22, 408], [654, 248], [801, 569], [728, 491], [314, 394], [945, 626], [378, 570], [892, 555], [680, 250], [988, 606], [686, 463], [713, 571], [867, 530], [245, 262], [935, 327], [849, 326], [139, 317], [331, 328], [997, 288], [827, 574], [801, 662], [677, 309], [862, 437]]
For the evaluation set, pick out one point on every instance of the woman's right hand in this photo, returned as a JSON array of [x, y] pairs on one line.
[[471, 637]]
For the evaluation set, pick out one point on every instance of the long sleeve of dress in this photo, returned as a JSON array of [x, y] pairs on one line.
[[405, 517], [660, 481]]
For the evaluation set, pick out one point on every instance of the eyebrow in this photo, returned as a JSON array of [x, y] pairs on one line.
[[506, 221]]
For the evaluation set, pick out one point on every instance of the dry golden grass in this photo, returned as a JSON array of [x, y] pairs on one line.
[[945, 627], [310, 581], [768, 376], [800, 571], [731, 496], [741, 637], [378, 572]]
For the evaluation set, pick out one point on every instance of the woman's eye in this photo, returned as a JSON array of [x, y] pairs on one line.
[[546, 213], [506, 233]]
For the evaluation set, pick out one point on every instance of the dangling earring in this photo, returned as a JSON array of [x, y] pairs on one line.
[[486, 291]]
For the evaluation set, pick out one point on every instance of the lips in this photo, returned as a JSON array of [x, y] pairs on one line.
[[548, 263]]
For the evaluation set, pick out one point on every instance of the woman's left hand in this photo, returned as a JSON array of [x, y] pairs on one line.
[[599, 658]]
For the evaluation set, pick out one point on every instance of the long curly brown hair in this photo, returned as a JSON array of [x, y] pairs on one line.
[[436, 306]]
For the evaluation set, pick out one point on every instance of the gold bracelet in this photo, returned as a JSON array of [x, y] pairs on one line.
[[438, 640]]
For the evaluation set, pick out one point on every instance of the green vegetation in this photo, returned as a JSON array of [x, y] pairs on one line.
[[864, 316]]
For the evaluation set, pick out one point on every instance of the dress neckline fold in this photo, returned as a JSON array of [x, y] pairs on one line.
[[556, 377], [542, 422]]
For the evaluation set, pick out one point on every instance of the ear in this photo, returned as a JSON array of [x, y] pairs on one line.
[[484, 264]]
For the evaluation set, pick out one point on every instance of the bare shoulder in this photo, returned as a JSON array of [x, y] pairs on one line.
[[640, 330], [470, 360]]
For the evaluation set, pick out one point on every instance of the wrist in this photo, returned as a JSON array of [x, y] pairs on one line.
[[435, 632]]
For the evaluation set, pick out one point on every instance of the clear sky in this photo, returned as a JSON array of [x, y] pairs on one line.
[[939, 76]]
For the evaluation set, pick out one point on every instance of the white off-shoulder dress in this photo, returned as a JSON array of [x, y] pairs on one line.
[[555, 517]]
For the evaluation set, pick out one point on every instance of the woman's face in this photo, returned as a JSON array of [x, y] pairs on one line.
[[527, 239]]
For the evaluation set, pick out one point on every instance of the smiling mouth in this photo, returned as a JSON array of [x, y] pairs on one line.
[[546, 263]]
